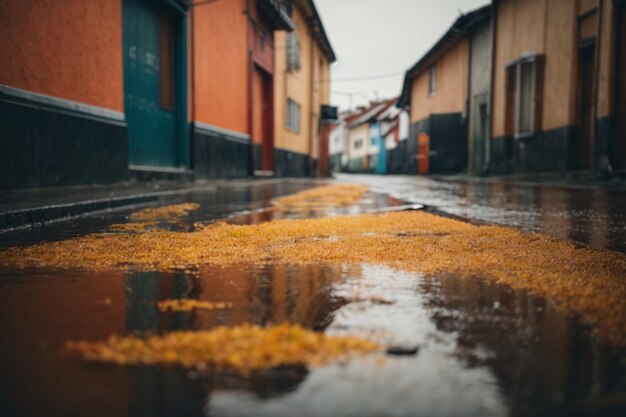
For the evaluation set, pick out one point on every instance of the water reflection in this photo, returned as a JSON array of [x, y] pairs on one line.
[[546, 363], [479, 348], [41, 311], [590, 217], [215, 203], [371, 203]]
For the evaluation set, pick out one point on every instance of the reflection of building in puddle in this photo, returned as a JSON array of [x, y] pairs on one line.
[[269, 294], [430, 383], [261, 295], [373, 202], [545, 362], [39, 312], [143, 292]]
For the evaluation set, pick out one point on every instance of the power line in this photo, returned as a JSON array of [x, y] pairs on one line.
[[341, 93], [371, 77]]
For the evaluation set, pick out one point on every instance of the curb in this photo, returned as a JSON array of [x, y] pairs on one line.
[[33, 216]]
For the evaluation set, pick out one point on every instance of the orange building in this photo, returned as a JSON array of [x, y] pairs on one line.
[[232, 79], [100, 92]]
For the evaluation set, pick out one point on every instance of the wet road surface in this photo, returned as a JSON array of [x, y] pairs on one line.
[[463, 346], [591, 217]]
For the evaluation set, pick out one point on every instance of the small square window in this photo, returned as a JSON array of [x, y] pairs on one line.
[[432, 80], [293, 115]]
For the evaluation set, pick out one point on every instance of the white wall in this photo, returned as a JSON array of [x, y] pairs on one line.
[[354, 134]]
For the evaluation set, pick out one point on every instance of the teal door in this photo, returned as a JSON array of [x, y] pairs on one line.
[[153, 94]]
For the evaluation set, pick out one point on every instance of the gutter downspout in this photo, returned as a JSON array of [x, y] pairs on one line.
[[312, 69], [468, 105], [595, 160], [492, 70], [249, 91], [193, 64]]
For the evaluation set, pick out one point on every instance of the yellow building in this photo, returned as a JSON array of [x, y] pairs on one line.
[[301, 87], [558, 86]]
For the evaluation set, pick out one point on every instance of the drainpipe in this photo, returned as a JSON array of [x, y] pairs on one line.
[[597, 89], [193, 65], [249, 90], [493, 24], [312, 66], [468, 104]]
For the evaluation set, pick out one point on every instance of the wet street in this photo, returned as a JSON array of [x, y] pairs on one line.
[[454, 346]]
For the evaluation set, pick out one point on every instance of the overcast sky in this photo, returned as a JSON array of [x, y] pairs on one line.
[[380, 37]]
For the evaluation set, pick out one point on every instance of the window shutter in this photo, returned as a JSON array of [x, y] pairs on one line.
[[510, 87], [293, 51], [540, 65]]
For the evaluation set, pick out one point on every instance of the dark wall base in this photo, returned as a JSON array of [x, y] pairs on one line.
[[257, 156], [549, 151], [218, 154], [501, 156], [46, 141], [607, 149], [335, 162], [356, 165], [291, 164], [398, 159], [603, 149], [552, 150], [448, 143]]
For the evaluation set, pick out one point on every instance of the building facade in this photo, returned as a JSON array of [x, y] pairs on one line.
[[302, 86], [365, 138], [558, 94], [231, 92], [435, 92], [107, 91], [479, 89]]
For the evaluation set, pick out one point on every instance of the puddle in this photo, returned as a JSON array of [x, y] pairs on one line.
[[455, 346], [480, 348], [371, 203]]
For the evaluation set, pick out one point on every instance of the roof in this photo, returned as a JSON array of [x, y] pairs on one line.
[[459, 30], [314, 22], [276, 14], [371, 112]]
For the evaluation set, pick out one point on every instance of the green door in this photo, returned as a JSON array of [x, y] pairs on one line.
[[150, 85], [481, 131]]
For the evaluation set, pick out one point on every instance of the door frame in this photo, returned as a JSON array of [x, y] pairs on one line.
[[267, 141], [581, 157], [616, 148], [478, 101], [178, 12]]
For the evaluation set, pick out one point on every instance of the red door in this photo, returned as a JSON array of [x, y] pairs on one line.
[[263, 118], [268, 124]]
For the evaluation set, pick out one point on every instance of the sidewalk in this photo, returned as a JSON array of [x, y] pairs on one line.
[[22, 208], [575, 180]]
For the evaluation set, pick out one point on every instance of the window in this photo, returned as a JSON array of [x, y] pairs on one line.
[[293, 115], [524, 95], [373, 141], [293, 51], [432, 80], [358, 144]]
